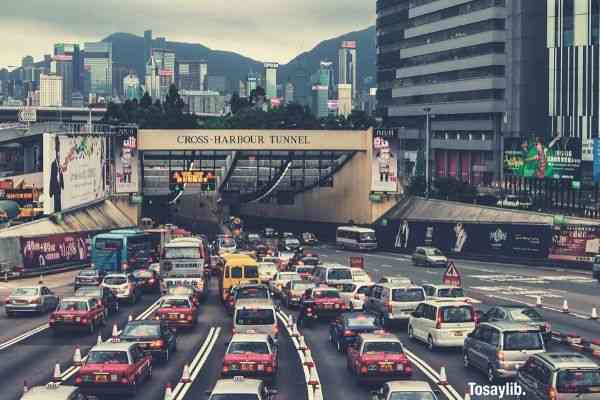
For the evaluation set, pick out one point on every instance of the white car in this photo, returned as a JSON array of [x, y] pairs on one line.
[[267, 271], [359, 275], [355, 298], [420, 390], [242, 388], [281, 279]]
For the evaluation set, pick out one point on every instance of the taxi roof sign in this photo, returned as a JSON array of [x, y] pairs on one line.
[[357, 262], [452, 276]]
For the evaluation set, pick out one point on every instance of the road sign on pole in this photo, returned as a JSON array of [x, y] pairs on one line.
[[27, 115], [452, 276]]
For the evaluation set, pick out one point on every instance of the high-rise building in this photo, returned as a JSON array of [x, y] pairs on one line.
[[320, 97], [243, 90], [251, 83], [152, 81], [302, 86], [477, 69], [573, 48], [201, 102], [62, 65], [347, 64], [72, 50], [324, 77], [216, 83], [165, 62], [191, 75], [27, 69], [51, 90], [289, 93], [131, 87], [98, 68], [270, 79], [344, 99], [147, 44]]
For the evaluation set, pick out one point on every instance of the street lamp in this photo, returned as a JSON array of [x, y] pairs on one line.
[[427, 128]]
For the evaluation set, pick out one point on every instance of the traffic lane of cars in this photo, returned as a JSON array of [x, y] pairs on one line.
[[33, 360]]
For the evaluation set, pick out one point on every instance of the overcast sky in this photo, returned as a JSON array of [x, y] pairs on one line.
[[267, 30]]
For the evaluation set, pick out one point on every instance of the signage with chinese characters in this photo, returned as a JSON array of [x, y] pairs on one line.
[[452, 276], [206, 179], [27, 115]]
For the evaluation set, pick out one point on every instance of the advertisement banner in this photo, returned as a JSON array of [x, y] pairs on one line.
[[127, 164], [74, 171], [558, 159], [385, 161], [44, 252], [575, 243], [470, 238], [21, 196]]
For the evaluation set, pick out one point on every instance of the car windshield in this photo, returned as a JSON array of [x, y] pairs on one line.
[[141, 330], [407, 295], [382, 347], [248, 347], [451, 292], [302, 285], [234, 396], [107, 357], [327, 294], [361, 321], [253, 293], [457, 314], [88, 272], [251, 271], [525, 314], [528, 340], [255, 317], [367, 237], [115, 280], [143, 274], [339, 273], [412, 396], [25, 292], [434, 252], [91, 291], [304, 270], [73, 306], [579, 381], [175, 303], [347, 288], [182, 252]]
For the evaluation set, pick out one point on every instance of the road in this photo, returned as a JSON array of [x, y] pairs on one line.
[[33, 358]]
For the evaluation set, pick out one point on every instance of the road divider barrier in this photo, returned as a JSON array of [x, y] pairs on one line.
[[594, 314], [447, 389], [186, 376], [56, 377], [77, 357], [576, 342], [443, 377], [538, 302], [168, 392], [565, 306]]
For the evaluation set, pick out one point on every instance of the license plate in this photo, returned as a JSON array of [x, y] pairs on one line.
[[458, 333], [386, 367], [328, 305], [173, 316], [101, 378], [247, 367]]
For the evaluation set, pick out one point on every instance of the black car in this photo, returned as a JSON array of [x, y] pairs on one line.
[[106, 296], [88, 277], [523, 314], [154, 337], [344, 330], [147, 280]]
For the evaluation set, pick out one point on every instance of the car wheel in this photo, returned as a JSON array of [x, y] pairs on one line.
[[466, 362], [410, 332], [430, 344], [491, 375]]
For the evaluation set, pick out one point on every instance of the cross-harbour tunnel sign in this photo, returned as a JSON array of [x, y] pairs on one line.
[[252, 140]]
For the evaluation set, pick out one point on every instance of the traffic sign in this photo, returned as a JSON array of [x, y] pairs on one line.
[[357, 262], [452, 276], [27, 115]]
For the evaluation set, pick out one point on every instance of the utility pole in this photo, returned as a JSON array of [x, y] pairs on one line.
[[427, 129]]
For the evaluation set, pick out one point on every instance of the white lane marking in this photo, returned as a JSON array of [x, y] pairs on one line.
[[185, 387], [23, 336], [386, 266], [432, 374]]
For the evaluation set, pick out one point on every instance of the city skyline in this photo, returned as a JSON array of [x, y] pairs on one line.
[[223, 27]]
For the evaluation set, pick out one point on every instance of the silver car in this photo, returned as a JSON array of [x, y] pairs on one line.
[[429, 257], [30, 299], [53, 391]]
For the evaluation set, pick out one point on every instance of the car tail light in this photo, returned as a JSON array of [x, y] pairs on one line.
[[500, 356], [189, 317], [8, 301], [348, 332], [84, 321], [552, 394], [336, 305], [124, 381], [78, 380], [151, 281], [36, 301], [157, 344], [181, 316], [268, 368], [225, 368], [364, 369], [438, 321]]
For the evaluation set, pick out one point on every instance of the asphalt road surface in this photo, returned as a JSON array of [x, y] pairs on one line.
[[28, 352]]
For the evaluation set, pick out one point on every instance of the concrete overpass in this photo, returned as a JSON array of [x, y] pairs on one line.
[[320, 176]]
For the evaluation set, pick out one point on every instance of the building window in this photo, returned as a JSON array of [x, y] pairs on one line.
[[568, 22], [488, 94], [454, 54], [455, 11], [451, 76], [455, 33], [595, 21]]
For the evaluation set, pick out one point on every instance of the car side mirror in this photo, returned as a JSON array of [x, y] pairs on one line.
[[415, 314]]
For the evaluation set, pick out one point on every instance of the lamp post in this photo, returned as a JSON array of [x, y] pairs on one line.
[[427, 129]]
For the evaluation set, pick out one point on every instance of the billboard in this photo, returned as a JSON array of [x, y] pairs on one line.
[[575, 242], [48, 251], [349, 44], [127, 164], [473, 238], [21, 196], [558, 159], [74, 171], [384, 174], [207, 180]]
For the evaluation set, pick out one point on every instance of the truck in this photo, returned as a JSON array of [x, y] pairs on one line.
[[184, 263]]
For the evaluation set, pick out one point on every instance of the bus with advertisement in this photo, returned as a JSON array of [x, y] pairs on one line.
[[185, 262], [121, 250]]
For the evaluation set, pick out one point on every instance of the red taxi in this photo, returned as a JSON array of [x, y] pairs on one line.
[[83, 313], [326, 301], [114, 368], [177, 311], [252, 355], [378, 357]]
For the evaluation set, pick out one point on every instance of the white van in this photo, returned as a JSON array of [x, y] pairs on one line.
[[334, 275], [355, 237], [255, 316]]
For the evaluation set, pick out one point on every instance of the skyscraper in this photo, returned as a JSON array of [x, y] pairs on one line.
[[251, 83], [98, 66], [302, 86], [344, 99], [27, 69], [270, 79], [216, 83], [131, 87], [347, 65], [165, 62], [62, 65], [324, 77], [289, 93], [72, 50], [51, 87], [152, 81], [320, 97], [147, 44], [191, 75]]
